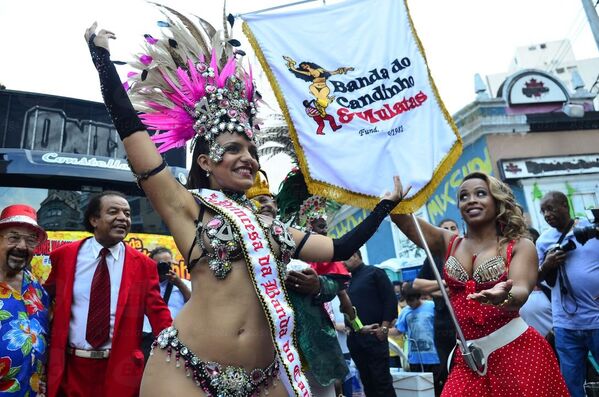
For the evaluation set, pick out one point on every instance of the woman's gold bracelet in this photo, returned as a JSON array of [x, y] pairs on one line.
[[507, 301]]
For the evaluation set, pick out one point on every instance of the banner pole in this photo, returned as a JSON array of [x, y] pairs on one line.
[[473, 360]]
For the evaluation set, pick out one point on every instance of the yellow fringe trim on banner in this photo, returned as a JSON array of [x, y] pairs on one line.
[[343, 195]]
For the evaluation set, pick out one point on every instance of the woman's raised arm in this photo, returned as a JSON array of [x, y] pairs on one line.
[[169, 198], [319, 248], [436, 237]]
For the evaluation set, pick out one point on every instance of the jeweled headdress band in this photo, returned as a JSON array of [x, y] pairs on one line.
[[296, 205], [192, 85], [313, 208]]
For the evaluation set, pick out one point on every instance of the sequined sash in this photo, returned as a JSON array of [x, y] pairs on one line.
[[267, 276]]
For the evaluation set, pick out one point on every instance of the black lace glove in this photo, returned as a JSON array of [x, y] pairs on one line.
[[350, 242], [121, 111]]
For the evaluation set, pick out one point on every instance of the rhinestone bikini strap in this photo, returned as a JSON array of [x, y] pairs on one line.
[[192, 262]]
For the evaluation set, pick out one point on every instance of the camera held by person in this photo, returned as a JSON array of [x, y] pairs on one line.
[[567, 246], [163, 269], [584, 234]]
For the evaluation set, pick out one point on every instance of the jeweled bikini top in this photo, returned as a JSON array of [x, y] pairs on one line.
[[491, 270], [225, 246]]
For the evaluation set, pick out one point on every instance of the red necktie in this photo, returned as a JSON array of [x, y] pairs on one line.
[[98, 316]]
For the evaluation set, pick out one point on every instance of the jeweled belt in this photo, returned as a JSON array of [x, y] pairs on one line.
[[215, 379]]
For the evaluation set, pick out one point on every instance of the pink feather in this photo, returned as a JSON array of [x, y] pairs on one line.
[[188, 88]]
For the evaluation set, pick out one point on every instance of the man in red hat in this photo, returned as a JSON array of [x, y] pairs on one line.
[[23, 305], [102, 289]]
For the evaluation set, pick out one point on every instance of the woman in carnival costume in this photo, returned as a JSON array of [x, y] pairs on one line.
[[490, 272], [235, 336]]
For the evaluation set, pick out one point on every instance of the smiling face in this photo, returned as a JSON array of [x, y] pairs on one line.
[[17, 244], [475, 202], [113, 222], [267, 205], [238, 167]]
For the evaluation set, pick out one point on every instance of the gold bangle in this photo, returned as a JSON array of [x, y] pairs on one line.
[[507, 301]]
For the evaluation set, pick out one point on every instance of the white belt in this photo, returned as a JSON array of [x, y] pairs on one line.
[[496, 339], [94, 354]]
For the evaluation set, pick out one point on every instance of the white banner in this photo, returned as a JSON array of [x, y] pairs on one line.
[[358, 98]]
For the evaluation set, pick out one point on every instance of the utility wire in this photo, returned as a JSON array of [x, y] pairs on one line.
[[563, 47], [573, 39]]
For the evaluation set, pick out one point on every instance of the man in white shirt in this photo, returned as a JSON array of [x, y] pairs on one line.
[[174, 290]]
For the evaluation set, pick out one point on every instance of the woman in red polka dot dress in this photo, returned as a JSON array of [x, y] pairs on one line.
[[490, 274]]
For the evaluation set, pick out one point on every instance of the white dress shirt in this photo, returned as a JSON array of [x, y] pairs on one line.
[[87, 262], [175, 302]]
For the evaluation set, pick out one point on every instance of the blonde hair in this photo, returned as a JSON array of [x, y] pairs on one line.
[[510, 216]]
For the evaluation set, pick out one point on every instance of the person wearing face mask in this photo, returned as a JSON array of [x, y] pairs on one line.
[[24, 305], [489, 273]]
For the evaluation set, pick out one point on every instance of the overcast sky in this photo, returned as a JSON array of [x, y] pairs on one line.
[[42, 49]]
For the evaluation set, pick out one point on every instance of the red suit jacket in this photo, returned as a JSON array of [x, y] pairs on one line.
[[139, 294]]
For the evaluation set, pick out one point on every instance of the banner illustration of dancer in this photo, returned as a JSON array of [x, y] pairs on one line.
[[309, 71], [313, 112]]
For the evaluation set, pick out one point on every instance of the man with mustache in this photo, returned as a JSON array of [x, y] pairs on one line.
[[102, 289], [23, 305]]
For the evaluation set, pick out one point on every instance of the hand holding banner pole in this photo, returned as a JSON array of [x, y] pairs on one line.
[[472, 354]]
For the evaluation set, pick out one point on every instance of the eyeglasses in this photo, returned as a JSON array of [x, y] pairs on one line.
[[15, 239]]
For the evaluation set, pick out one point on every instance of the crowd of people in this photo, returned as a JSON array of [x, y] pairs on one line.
[[256, 317], [108, 300]]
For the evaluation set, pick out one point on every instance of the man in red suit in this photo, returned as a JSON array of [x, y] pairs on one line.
[[102, 289]]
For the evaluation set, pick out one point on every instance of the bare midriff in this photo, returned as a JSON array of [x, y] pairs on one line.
[[223, 322]]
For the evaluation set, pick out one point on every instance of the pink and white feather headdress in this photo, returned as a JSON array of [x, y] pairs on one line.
[[192, 85]]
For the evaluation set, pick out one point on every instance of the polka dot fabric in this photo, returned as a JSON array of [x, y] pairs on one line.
[[526, 367]]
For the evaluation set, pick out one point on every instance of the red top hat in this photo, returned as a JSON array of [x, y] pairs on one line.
[[22, 215]]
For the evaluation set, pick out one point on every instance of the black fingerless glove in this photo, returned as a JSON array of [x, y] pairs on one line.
[[350, 242], [121, 111]]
